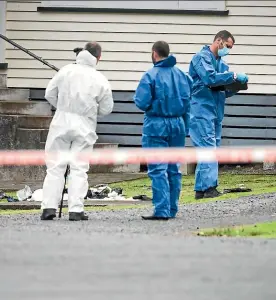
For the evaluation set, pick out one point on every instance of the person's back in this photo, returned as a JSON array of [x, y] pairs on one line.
[[82, 91], [169, 89], [80, 94], [164, 95]]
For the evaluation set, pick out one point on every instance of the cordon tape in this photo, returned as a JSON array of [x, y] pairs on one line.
[[142, 156]]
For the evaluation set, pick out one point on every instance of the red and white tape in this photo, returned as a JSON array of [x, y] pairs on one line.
[[143, 156]]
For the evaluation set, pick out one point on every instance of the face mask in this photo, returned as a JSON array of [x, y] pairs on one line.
[[223, 52]]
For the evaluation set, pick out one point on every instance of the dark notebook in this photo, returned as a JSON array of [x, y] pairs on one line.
[[236, 86], [233, 87]]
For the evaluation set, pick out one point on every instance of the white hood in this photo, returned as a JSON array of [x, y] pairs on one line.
[[81, 90], [85, 58]]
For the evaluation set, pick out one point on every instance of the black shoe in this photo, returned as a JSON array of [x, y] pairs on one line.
[[212, 193], [48, 214], [199, 195], [154, 218], [74, 216]]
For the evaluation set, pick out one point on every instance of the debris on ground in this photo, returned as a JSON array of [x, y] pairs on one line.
[[98, 192], [37, 196], [104, 192], [142, 198], [240, 189], [24, 194], [236, 190], [8, 198]]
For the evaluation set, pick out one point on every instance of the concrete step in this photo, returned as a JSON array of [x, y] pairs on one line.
[[34, 122], [96, 146], [11, 94], [21, 174], [93, 179], [127, 168], [124, 168], [30, 138], [37, 173], [3, 80], [29, 121], [36, 138], [13, 138], [25, 108]]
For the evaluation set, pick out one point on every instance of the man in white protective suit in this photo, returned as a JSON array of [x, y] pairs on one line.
[[79, 93]]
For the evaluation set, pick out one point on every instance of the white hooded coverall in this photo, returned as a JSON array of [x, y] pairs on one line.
[[79, 93]]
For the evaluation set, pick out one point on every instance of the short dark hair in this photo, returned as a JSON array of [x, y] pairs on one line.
[[161, 48], [224, 35], [94, 49], [77, 50]]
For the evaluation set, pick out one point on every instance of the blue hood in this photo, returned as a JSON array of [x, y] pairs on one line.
[[207, 48], [170, 61], [164, 90]]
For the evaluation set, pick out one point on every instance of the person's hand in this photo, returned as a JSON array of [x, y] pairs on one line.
[[243, 78]]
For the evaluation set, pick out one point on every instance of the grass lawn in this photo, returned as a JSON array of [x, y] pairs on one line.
[[264, 230], [260, 184]]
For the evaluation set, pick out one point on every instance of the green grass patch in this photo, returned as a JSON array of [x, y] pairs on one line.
[[65, 210], [264, 230], [9, 212], [260, 184]]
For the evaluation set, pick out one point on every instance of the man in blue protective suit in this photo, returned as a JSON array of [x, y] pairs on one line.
[[210, 76], [164, 95]]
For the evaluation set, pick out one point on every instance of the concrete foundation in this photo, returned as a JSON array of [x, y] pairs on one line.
[[3, 80], [22, 174], [13, 94], [114, 169], [37, 173], [24, 125], [30, 138], [188, 169], [8, 127], [30, 132], [34, 122], [25, 108]]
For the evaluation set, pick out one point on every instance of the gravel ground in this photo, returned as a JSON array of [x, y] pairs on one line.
[[116, 255], [247, 210]]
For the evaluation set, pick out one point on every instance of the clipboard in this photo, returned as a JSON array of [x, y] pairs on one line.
[[233, 87], [236, 86]]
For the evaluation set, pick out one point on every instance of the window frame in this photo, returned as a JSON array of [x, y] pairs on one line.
[[62, 6]]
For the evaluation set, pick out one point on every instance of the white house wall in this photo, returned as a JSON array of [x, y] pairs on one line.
[[126, 40], [2, 29]]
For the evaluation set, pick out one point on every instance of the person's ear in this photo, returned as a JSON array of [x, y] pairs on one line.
[[98, 59]]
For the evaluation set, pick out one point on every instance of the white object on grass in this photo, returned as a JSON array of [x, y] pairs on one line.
[[24, 194]]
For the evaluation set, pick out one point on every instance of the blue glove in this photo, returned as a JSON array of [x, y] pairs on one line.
[[243, 78]]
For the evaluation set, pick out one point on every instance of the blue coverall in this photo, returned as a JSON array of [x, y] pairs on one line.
[[164, 95], [207, 110]]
